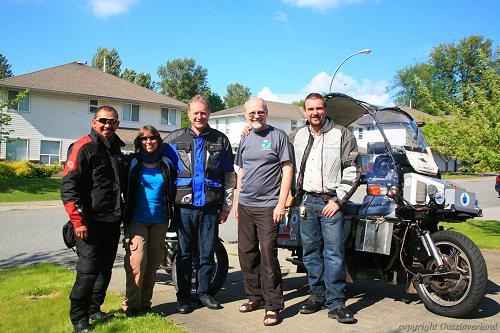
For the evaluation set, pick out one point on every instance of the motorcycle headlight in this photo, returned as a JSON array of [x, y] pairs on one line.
[[439, 198]]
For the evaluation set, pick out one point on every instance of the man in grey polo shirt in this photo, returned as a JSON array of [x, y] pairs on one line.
[[265, 158]]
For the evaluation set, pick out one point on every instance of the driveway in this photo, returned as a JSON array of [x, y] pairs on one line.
[[379, 307]]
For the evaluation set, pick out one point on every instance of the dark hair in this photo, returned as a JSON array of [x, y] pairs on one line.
[[106, 108], [313, 96], [153, 131]]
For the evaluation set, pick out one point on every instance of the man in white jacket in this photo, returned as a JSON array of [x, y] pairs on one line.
[[326, 176]]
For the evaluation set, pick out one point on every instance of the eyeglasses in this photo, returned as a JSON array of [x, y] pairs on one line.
[[258, 113], [151, 138], [105, 121]]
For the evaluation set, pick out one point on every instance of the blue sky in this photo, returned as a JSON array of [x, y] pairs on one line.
[[280, 49]]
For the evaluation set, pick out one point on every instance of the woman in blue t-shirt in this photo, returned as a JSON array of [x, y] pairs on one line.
[[148, 210]]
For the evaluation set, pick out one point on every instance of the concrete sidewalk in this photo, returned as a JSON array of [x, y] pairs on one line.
[[379, 307]]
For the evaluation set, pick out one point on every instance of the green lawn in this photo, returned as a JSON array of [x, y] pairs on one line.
[[35, 299], [457, 176], [29, 189], [485, 234]]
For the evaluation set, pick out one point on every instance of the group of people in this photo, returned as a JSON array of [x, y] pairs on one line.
[[188, 182]]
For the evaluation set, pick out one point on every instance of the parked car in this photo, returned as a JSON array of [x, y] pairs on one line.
[[497, 185]]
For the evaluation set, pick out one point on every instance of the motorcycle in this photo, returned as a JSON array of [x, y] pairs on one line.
[[220, 269], [393, 235]]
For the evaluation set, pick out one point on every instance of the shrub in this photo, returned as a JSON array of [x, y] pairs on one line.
[[28, 169], [7, 170]]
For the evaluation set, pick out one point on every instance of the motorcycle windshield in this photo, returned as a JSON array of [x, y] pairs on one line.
[[381, 131], [400, 130], [403, 137]]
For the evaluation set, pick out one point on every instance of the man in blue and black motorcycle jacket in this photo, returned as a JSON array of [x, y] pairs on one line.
[[204, 194]]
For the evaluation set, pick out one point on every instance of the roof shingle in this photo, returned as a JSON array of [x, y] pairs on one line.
[[80, 79], [276, 109]]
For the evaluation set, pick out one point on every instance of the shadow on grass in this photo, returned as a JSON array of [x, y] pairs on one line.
[[65, 257], [30, 185]]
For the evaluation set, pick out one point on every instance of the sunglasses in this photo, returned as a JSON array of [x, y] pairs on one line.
[[145, 138], [105, 121]]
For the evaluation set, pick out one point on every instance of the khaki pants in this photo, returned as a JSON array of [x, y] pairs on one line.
[[143, 257]]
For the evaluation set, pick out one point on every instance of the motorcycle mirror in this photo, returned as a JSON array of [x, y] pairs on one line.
[[431, 190]]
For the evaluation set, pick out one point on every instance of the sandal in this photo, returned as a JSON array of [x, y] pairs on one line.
[[250, 306], [271, 318]]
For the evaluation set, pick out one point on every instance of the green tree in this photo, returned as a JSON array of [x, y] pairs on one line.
[[410, 94], [113, 62], [129, 75], [448, 75], [182, 79], [471, 133], [141, 79], [6, 118], [299, 103], [144, 80], [237, 94], [441, 136], [216, 103], [5, 70]]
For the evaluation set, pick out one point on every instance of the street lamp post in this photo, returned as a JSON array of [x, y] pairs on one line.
[[365, 51]]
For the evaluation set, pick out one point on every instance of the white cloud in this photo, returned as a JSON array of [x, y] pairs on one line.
[[366, 90], [280, 17], [268, 95], [106, 8], [320, 4]]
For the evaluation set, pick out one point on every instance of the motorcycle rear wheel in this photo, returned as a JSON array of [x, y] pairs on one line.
[[219, 274], [451, 297]]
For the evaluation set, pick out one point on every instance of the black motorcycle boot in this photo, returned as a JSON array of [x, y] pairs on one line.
[[343, 315], [311, 305], [82, 327]]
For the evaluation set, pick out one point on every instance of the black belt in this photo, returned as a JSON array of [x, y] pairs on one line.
[[314, 194]]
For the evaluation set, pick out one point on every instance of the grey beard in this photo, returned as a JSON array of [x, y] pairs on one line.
[[256, 126]]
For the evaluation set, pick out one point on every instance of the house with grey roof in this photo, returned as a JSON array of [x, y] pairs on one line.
[[280, 115], [61, 102]]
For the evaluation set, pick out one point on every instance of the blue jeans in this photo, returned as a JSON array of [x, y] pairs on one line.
[[323, 252], [198, 229]]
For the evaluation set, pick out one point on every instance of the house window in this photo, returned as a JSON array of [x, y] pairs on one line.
[[216, 123], [168, 116], [130, 112], [227, 126], [93, 105], [293, 124], [360, 133], [17, 150], [23, 105], [50, 152]]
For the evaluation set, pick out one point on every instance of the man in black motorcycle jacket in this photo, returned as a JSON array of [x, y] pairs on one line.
[[91, 194], [205, 183], [326, 176]]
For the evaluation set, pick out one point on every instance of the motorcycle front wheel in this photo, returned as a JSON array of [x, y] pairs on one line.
[[459, 293], [219, 274]]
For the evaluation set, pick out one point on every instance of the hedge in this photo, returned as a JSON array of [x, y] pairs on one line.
[[28, 169]]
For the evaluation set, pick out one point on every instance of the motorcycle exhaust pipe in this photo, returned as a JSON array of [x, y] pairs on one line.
[[429, 244]]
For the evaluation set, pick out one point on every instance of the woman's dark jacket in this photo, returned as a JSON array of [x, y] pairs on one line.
[[134, 168]]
